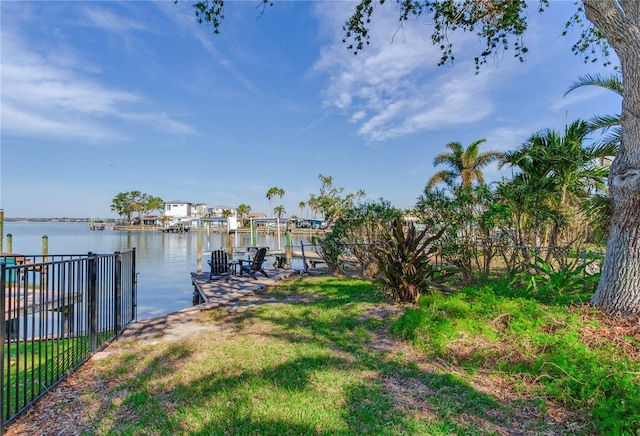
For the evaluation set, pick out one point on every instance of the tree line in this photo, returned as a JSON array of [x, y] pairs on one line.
[[125, 204]]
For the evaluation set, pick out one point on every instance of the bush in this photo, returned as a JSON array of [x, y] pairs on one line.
[[354, 234], [404, 263], [547, 280]]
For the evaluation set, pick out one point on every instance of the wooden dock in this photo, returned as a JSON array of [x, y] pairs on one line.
[[215, 294], [222, 291]]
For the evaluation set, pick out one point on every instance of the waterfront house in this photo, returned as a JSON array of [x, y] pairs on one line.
[[218, 211], [177, 209]]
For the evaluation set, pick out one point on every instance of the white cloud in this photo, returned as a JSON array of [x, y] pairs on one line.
[[162, 121], [508, 138], [394, 88], [51, 95], [30, 124], [576, 97], [105, 19]]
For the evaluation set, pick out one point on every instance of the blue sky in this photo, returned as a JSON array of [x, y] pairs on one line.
[[106, 97]]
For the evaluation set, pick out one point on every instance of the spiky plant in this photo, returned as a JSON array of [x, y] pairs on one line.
[[406, 272]]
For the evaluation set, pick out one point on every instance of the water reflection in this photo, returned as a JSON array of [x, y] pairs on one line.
[[164, 260]]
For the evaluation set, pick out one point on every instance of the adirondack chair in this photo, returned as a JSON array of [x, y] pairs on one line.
[[255, 265], [219, 264]]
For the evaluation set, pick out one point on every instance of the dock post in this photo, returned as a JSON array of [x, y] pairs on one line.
[[287, 249], [230, 245], [199, 249], [45, 247], [1, 228], [9, 243], [254, 235], [304, 260], [44, 271]]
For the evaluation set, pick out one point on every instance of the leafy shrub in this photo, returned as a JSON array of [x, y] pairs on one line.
[[570, 279], [353, 235], [404, 262]]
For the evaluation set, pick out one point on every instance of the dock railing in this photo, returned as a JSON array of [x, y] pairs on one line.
[[58, 311]]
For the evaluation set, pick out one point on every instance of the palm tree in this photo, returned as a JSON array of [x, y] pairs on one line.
[[598, 207], [242, 212], [562, 168], [279, 211], [274, 192], [302, 205], [313, 205], [612, 82], [466, 164]]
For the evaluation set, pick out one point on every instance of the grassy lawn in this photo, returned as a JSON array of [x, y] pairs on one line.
[[324, 355], [34, 366]]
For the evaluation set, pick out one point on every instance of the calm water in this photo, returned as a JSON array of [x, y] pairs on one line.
[[164, 261]]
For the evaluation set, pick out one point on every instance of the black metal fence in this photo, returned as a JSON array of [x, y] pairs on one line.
[[58, 311], [470, 259]]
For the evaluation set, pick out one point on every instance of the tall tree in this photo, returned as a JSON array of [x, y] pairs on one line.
[[331, 202], [465, 164], [146, 203], [279, 211], [561, 168], [242, 211], [313, 205], [501, 25], [157, 204], [598, 206], [125, 204], [272, 193]]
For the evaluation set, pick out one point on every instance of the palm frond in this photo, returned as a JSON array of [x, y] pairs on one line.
[[612, 82]]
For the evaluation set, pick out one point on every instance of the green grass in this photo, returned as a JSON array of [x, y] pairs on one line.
[[319, 359], [517, 336], [33, 366]]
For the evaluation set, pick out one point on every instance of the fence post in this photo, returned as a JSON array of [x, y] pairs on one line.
[[134, 283], [92, 303], [117, 300], [3, 338], [1, 233]]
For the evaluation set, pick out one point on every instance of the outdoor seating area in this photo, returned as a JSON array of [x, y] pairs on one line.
[[223, 268], [223, 292]]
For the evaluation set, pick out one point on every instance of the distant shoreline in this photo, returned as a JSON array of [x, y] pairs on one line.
[[61, 220], [261, 230], [148, 228]]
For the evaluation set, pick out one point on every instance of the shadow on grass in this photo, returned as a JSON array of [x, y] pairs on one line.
[[297, 393]]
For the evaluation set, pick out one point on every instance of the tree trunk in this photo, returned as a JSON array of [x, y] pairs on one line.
[[619, 288]]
